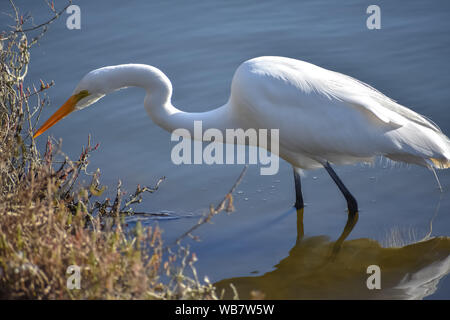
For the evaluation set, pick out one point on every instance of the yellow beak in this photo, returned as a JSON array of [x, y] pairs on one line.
[[66, 108]]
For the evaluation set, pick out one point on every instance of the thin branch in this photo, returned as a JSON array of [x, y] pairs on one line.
[[44, 23]]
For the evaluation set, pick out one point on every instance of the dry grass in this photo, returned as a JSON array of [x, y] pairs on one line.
[[47, 225]]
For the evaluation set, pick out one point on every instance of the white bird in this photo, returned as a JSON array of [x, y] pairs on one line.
[[323, 116]]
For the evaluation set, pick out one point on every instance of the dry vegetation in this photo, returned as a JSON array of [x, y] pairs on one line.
[[47, 224]]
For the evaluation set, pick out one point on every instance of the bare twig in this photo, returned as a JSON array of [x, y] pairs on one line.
[[44, 24], [136, 197]]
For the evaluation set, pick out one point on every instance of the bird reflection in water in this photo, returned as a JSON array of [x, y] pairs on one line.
[[317, 268]]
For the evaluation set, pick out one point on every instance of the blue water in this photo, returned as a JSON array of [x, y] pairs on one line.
[[199, 45]]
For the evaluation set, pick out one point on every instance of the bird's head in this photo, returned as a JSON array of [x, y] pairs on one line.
[[97, 83], [88, 91]]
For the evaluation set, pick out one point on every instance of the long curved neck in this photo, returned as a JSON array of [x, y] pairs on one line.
[[158, 99]]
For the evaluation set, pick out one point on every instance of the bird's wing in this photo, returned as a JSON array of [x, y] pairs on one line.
[[309, 78], [362, 95]]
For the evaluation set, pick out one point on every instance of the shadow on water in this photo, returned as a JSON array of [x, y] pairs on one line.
[[312, 271]]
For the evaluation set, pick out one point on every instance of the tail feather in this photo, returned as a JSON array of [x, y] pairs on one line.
[[421, 145], [440, 163]]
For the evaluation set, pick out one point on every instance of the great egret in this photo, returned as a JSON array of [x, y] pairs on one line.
[[323, 116]]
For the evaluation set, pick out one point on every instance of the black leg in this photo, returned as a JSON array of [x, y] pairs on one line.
[[299, 206], [298, 191], [351, 204]]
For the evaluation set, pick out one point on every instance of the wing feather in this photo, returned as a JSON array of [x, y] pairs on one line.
[[334, 85]]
